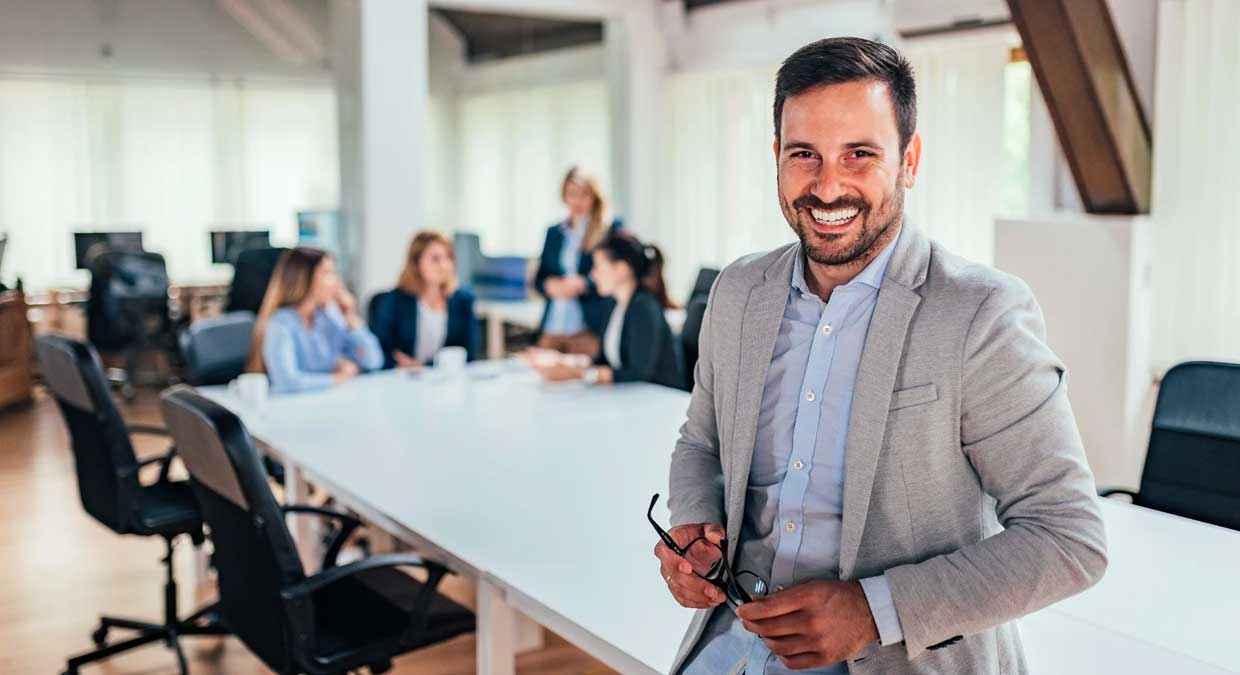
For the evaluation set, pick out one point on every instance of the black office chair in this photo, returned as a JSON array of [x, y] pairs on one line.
[[1192, 468], [344, 618], [107, 472], [215, 349], [690, 333], [702, 285], [251, 274], [127, 310]]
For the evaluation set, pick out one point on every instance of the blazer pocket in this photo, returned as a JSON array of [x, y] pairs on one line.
[[907, 398]]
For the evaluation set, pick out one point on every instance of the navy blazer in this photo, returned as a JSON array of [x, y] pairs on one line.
[[394, 320], [647, 348], [549, 266]]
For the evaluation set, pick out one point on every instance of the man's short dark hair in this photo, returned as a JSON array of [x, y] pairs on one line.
[[849, 59]]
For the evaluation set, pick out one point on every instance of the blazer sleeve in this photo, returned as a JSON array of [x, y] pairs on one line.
[[280, 360], [383, 323], [695, 490], [641, 341], [547, 264], [1018, 431]]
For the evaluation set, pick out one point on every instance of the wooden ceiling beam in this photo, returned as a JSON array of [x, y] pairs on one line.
[[1079, 63]]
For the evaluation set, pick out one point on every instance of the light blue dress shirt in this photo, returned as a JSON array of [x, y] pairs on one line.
[[565, 317], [795, 500], [301, 358]]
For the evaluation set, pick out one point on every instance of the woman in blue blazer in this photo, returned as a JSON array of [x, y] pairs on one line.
[[426, 311], [575, 315]]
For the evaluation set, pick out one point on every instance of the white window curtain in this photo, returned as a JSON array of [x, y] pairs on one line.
[[514, 148], [173, 158], [960, 116], [1196, 191], [718, 198]]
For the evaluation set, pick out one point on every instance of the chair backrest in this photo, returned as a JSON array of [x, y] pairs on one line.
[[254, 553], [689, 336], [467, 249], [126, 287], [215, 349], [1193, 465], [107, 469], [251, 274], [701, 286]]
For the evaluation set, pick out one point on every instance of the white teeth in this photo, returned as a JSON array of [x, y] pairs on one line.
[[834, 217]]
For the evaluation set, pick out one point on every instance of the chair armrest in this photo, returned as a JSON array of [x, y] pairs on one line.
[[347, 525], [147, 429], [328, 577], [165, 461], [1107, 492], [420, 613]]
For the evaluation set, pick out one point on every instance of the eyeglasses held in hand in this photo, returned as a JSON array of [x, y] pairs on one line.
[[710, 562]]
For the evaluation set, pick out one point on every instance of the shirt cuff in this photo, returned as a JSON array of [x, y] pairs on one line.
[[883, 609]]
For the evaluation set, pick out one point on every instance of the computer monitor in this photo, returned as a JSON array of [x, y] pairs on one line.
[[83, 242], [226, 245]]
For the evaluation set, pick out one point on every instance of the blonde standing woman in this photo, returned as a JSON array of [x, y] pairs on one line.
[[574, 316]]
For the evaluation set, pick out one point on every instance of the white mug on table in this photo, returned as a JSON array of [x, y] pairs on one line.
[[451, 360], [251, 388]]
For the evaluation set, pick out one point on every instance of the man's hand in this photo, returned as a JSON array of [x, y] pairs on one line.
[[689, 589], [813, 624], [404, 361]]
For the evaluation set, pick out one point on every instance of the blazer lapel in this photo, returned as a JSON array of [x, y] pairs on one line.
[[876, 376], [764, 310]]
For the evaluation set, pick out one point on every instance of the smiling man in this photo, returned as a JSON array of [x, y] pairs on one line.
[[880, 439]]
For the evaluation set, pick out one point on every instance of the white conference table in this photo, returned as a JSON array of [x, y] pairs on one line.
[[539, 492]]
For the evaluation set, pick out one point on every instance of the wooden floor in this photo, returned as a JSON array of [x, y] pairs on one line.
[[59, 570]]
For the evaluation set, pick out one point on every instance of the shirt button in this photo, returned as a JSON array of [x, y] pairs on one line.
[[805, 296], [826, 330], [809, 396], [790, 526], [798, 465]]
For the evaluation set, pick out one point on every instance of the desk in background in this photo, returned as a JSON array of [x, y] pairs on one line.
[[16, 350], [539, 492]]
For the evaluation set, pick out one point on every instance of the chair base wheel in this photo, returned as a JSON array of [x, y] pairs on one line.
[[99, 637]]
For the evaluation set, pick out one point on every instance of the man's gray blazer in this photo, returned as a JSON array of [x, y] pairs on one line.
[[965, 480]]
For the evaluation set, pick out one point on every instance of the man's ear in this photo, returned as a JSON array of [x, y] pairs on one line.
[[912, 159]]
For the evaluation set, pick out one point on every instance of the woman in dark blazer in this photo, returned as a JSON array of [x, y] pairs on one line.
[[574, 315], [426, 311], [637, 343]]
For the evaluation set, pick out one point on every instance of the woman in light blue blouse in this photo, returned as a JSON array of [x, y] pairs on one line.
[[308, 335]]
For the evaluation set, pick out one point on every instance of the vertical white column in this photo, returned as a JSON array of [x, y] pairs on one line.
[[636, 61], [381, 53], [394, 104]]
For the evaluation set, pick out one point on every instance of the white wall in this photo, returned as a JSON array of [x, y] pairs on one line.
[[758, 32], [1091, 276], [184, 37]]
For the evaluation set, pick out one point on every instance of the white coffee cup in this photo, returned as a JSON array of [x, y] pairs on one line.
[[450, 360], [251, 388]]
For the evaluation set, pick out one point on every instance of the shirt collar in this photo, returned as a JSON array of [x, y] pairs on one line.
[[871, 276]]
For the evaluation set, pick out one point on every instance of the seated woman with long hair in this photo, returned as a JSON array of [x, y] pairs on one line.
[[307, 334], [426, 311], [637, 343]]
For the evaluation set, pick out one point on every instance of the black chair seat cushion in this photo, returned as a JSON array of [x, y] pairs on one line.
[[168, 507], [373, 607]]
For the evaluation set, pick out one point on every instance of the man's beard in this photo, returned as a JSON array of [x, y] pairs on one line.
[[824, 248]]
